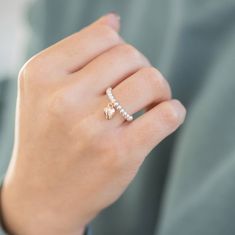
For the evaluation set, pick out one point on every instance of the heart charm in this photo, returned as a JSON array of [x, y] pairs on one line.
[[109, 111]]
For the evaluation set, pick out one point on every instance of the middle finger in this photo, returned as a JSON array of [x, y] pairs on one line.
[[110, 68]]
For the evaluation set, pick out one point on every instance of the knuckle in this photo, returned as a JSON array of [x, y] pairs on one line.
[[131, 52], [21, 77], [151, 72], [108, 33], [31, 70], [27, 69], [32, 65], [156, 79]]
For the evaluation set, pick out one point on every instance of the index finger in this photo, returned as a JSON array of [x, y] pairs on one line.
[[75, 51]]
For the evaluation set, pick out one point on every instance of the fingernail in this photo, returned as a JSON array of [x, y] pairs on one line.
[[180, 109], [113, 20], [118, 17]]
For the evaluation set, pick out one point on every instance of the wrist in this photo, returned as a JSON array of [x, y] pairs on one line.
[[19, 220]]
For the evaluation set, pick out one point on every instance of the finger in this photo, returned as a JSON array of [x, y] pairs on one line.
[[75, 51], [110, 68], [147, 131], [145, 87], [111, 19]]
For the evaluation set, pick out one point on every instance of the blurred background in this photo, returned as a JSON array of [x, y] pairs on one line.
[[14, 34], [186, 185]]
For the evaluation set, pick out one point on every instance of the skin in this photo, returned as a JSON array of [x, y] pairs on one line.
[[69, 162]]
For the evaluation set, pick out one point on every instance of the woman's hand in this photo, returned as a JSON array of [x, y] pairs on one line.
[[69, 162]]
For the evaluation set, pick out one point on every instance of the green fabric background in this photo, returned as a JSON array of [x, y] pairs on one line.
[[186, 185]]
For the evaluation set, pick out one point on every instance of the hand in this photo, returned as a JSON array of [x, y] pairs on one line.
[[69, 162]]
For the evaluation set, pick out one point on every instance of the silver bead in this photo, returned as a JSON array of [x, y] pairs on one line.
[[116, 104], [125, 114], [122, 111], [130, 118]]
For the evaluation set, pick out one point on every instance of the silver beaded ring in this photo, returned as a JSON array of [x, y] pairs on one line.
[[109, 110]]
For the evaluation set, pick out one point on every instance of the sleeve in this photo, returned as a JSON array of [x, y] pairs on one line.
[[88, 230], [2, 231]]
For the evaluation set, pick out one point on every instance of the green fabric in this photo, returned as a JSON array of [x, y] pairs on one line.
[[186, 185], [2, 232]]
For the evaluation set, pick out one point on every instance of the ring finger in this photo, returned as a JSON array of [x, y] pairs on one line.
[[146, 87]]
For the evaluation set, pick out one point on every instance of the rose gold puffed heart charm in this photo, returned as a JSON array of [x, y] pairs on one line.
[[109, 111]]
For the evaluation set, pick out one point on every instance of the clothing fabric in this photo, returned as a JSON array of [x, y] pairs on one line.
[[186, 184]]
